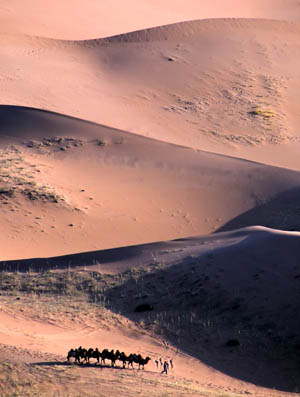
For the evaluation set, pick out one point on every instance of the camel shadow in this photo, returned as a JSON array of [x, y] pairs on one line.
[[51, 363], [80, 365]]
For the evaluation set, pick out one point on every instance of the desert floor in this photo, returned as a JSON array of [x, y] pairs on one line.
[[150, 154]]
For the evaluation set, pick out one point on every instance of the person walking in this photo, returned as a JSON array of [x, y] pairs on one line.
[[166, 367]]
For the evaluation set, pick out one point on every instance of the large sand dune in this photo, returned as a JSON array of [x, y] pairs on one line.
[[123, 126], [227, 86], [108, 182], [250, 274]]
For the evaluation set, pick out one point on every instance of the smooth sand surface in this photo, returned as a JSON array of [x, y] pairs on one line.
[[229, 86], [127, 190], [99, 19]]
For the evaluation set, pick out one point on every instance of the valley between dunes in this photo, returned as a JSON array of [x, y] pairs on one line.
[[149, 154]]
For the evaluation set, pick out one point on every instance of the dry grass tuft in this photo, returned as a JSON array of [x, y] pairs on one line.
[[262, 112]]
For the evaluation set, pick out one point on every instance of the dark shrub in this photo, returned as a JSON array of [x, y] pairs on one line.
[[145, 307], [232, 343]]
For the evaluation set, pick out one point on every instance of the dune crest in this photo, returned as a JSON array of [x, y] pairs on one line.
[[239, 99], [186, 29], [92, 19], [200, 192]]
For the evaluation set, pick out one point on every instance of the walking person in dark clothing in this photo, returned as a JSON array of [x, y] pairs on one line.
[[156, 362], [171, 363], [166, 367]]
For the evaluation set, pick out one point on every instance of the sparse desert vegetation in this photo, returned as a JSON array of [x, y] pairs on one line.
[[37, 380], [19, 177], [265, 113], [193, 299]]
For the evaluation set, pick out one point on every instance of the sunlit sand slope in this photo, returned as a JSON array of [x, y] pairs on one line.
[[227, 86], [70, 186], [85, 19]]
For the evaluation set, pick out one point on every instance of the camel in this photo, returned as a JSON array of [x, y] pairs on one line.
[[110, 355], [142, 361], [86, 355], [82, 353], [96, 354], [91, 353], [130, 360], [123, 358], [104, 355], [113, 356], [138, 359], [73, 353], [77, 354]]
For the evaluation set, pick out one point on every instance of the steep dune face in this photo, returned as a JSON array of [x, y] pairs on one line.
[[86, 19], [95, 187], [227, 86]]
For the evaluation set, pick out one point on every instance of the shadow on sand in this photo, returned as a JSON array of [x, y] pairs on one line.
[[84, 365], [282, 212], [198, 312]]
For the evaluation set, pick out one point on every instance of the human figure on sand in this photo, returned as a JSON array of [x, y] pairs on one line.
[[166, 367]]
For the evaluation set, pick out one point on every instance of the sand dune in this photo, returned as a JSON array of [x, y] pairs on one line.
[[96, 179], [249, 273], [149, 153], [227, 86], [92, 19], [281, 212]]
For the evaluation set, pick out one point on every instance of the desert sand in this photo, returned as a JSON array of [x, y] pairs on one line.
[[150, 154]]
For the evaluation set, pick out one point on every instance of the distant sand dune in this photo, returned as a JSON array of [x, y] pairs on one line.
[[183, 30], [92, 18], [222, 85]]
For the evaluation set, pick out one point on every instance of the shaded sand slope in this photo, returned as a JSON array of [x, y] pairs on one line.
[[205, 291], [85, 19], [281, 212], [227, 86], [70, 186], [240, 285]]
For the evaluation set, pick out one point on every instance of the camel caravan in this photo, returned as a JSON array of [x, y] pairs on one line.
[[85, 355]]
